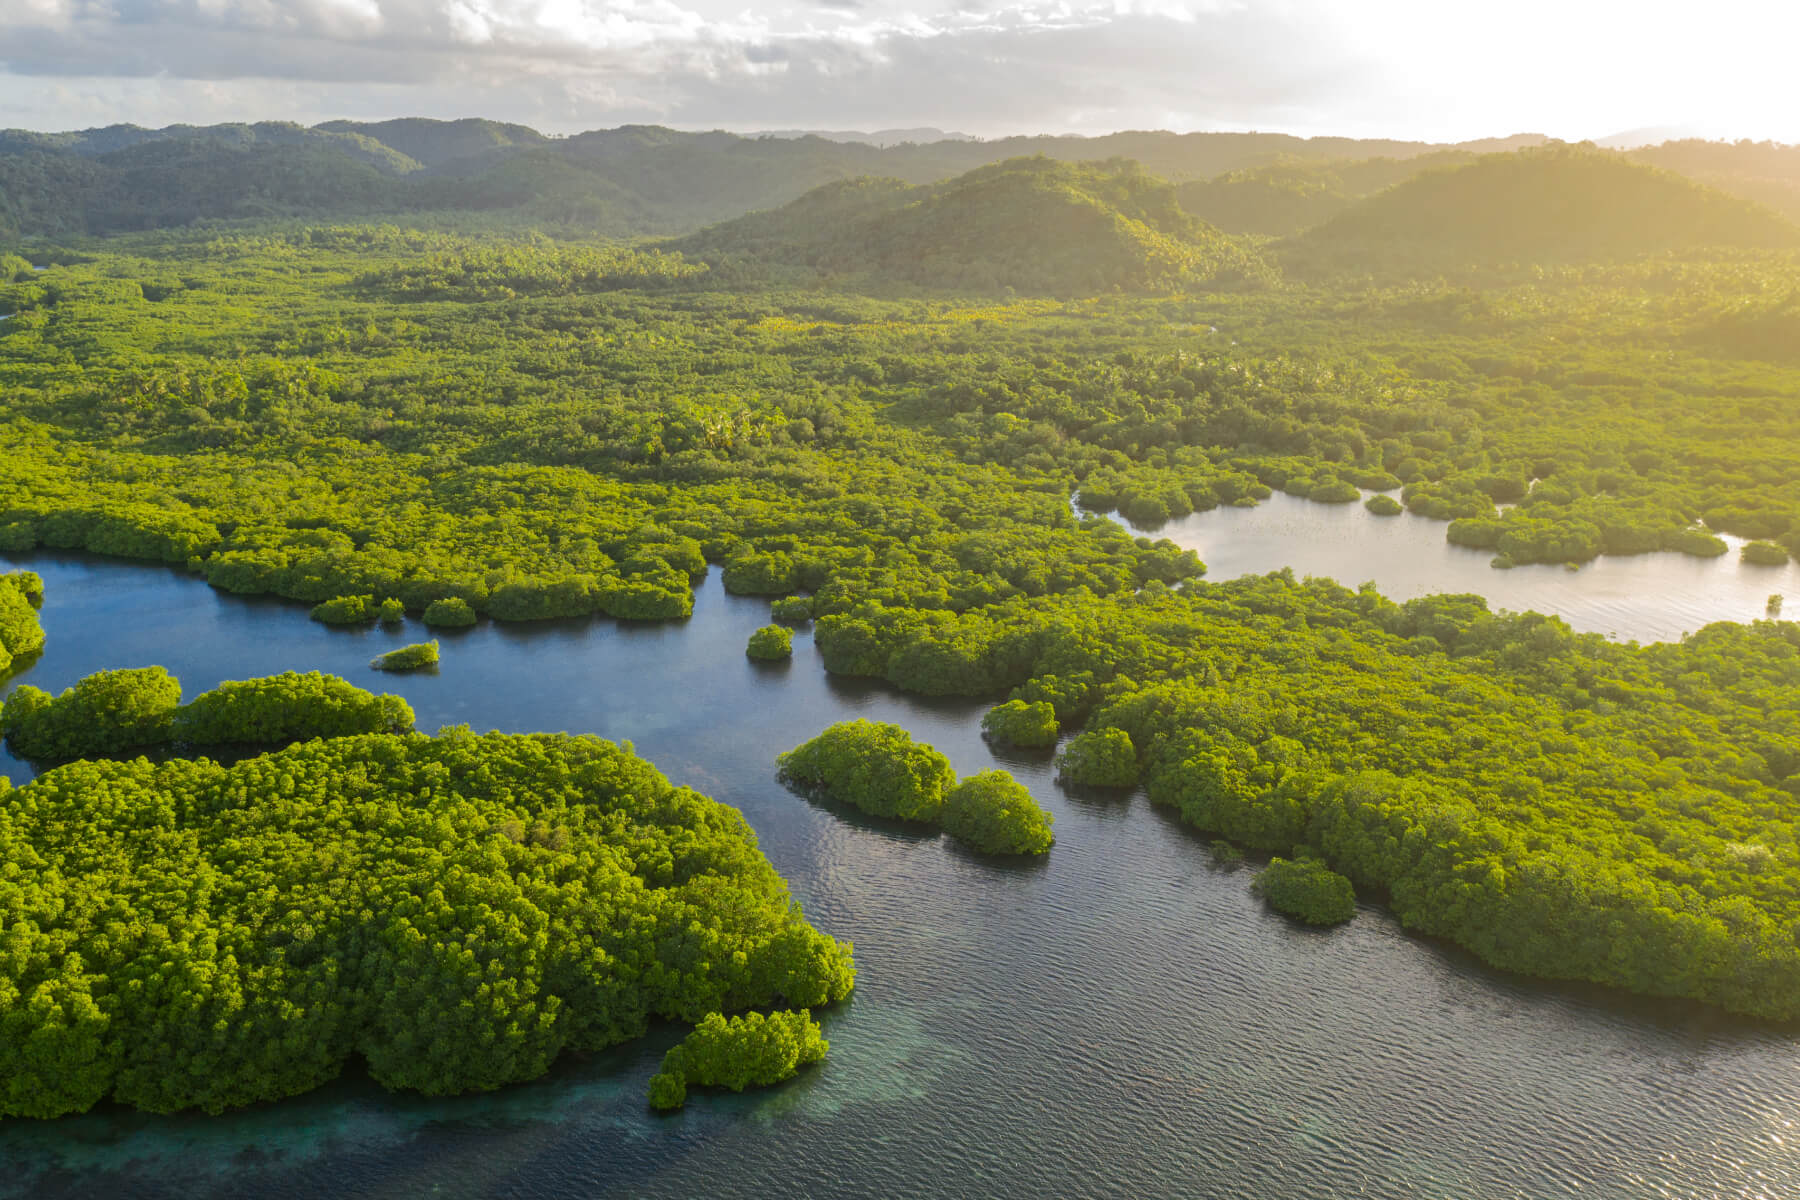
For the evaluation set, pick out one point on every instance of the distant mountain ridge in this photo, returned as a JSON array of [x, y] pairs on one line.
[[645, 180], [881, 138], [631, 180]]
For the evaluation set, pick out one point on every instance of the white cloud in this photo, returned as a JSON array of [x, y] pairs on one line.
[[1399, 67]]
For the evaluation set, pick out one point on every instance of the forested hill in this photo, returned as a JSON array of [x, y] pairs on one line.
[[1033, 224], [1556, 204], [1767, 172], [1292, 195], [635, 179]]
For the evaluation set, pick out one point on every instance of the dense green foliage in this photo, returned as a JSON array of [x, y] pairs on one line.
[[1099, 758], [874, 766], [452, 612], [771, 643], [1307, 890], [540, 429], [1763, 554], [752, 1050], [348, 610], [289, 707], [995, 814], [1031, 224], [408, 658], [792, 610], [1021, 723], [109, 712], [1553, 204], [455, 910], [1557, 803], [1383, 506], [487, 450], [881, 770], [392, 612], [21, 636], [112, 713]]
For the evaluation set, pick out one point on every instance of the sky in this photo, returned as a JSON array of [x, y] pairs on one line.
[[1439, 70]]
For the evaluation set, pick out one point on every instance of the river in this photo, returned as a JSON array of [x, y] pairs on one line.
[[1121, 1019]]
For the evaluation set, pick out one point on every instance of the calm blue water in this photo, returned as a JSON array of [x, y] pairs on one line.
[[1122, 1019]]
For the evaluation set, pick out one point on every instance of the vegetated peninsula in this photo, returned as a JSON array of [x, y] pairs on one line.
[[490, 423], [115, 713], [21, 636], [456, 911]]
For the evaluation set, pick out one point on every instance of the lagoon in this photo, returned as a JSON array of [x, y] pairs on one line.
[[1122, 1018], [1641, 597]]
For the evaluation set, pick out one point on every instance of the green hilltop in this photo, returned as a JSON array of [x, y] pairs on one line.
[[1032, 224], [1292, 194], [1555, 204]]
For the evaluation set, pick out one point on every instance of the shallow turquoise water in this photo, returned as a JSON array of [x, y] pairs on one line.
[[1119, 1020]]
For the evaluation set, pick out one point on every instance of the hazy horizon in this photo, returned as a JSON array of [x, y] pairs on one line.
[[1403, 69]]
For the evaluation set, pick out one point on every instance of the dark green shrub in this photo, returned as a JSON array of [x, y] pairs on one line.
[[771, 643], [286, 708], [1477, 533], [1099, 758], [21, 595], [407, 658], [1307, 890], [752, 1050], [1334, 491], [544, 599], [346, 610], [1763, 554], [667, 1091], [995, 814], [117, 712], [452, 612], [31, 585], [875, 766], [757, 573], [1224, 853], [1021, 723], [630, 600], [106, 713], [18, 537], [1071, 695], [392, 612], [1383, 506], [1696, 542], [682, 555], [792, 610]]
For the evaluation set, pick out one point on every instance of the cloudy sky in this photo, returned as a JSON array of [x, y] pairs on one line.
[[1437, 69]]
